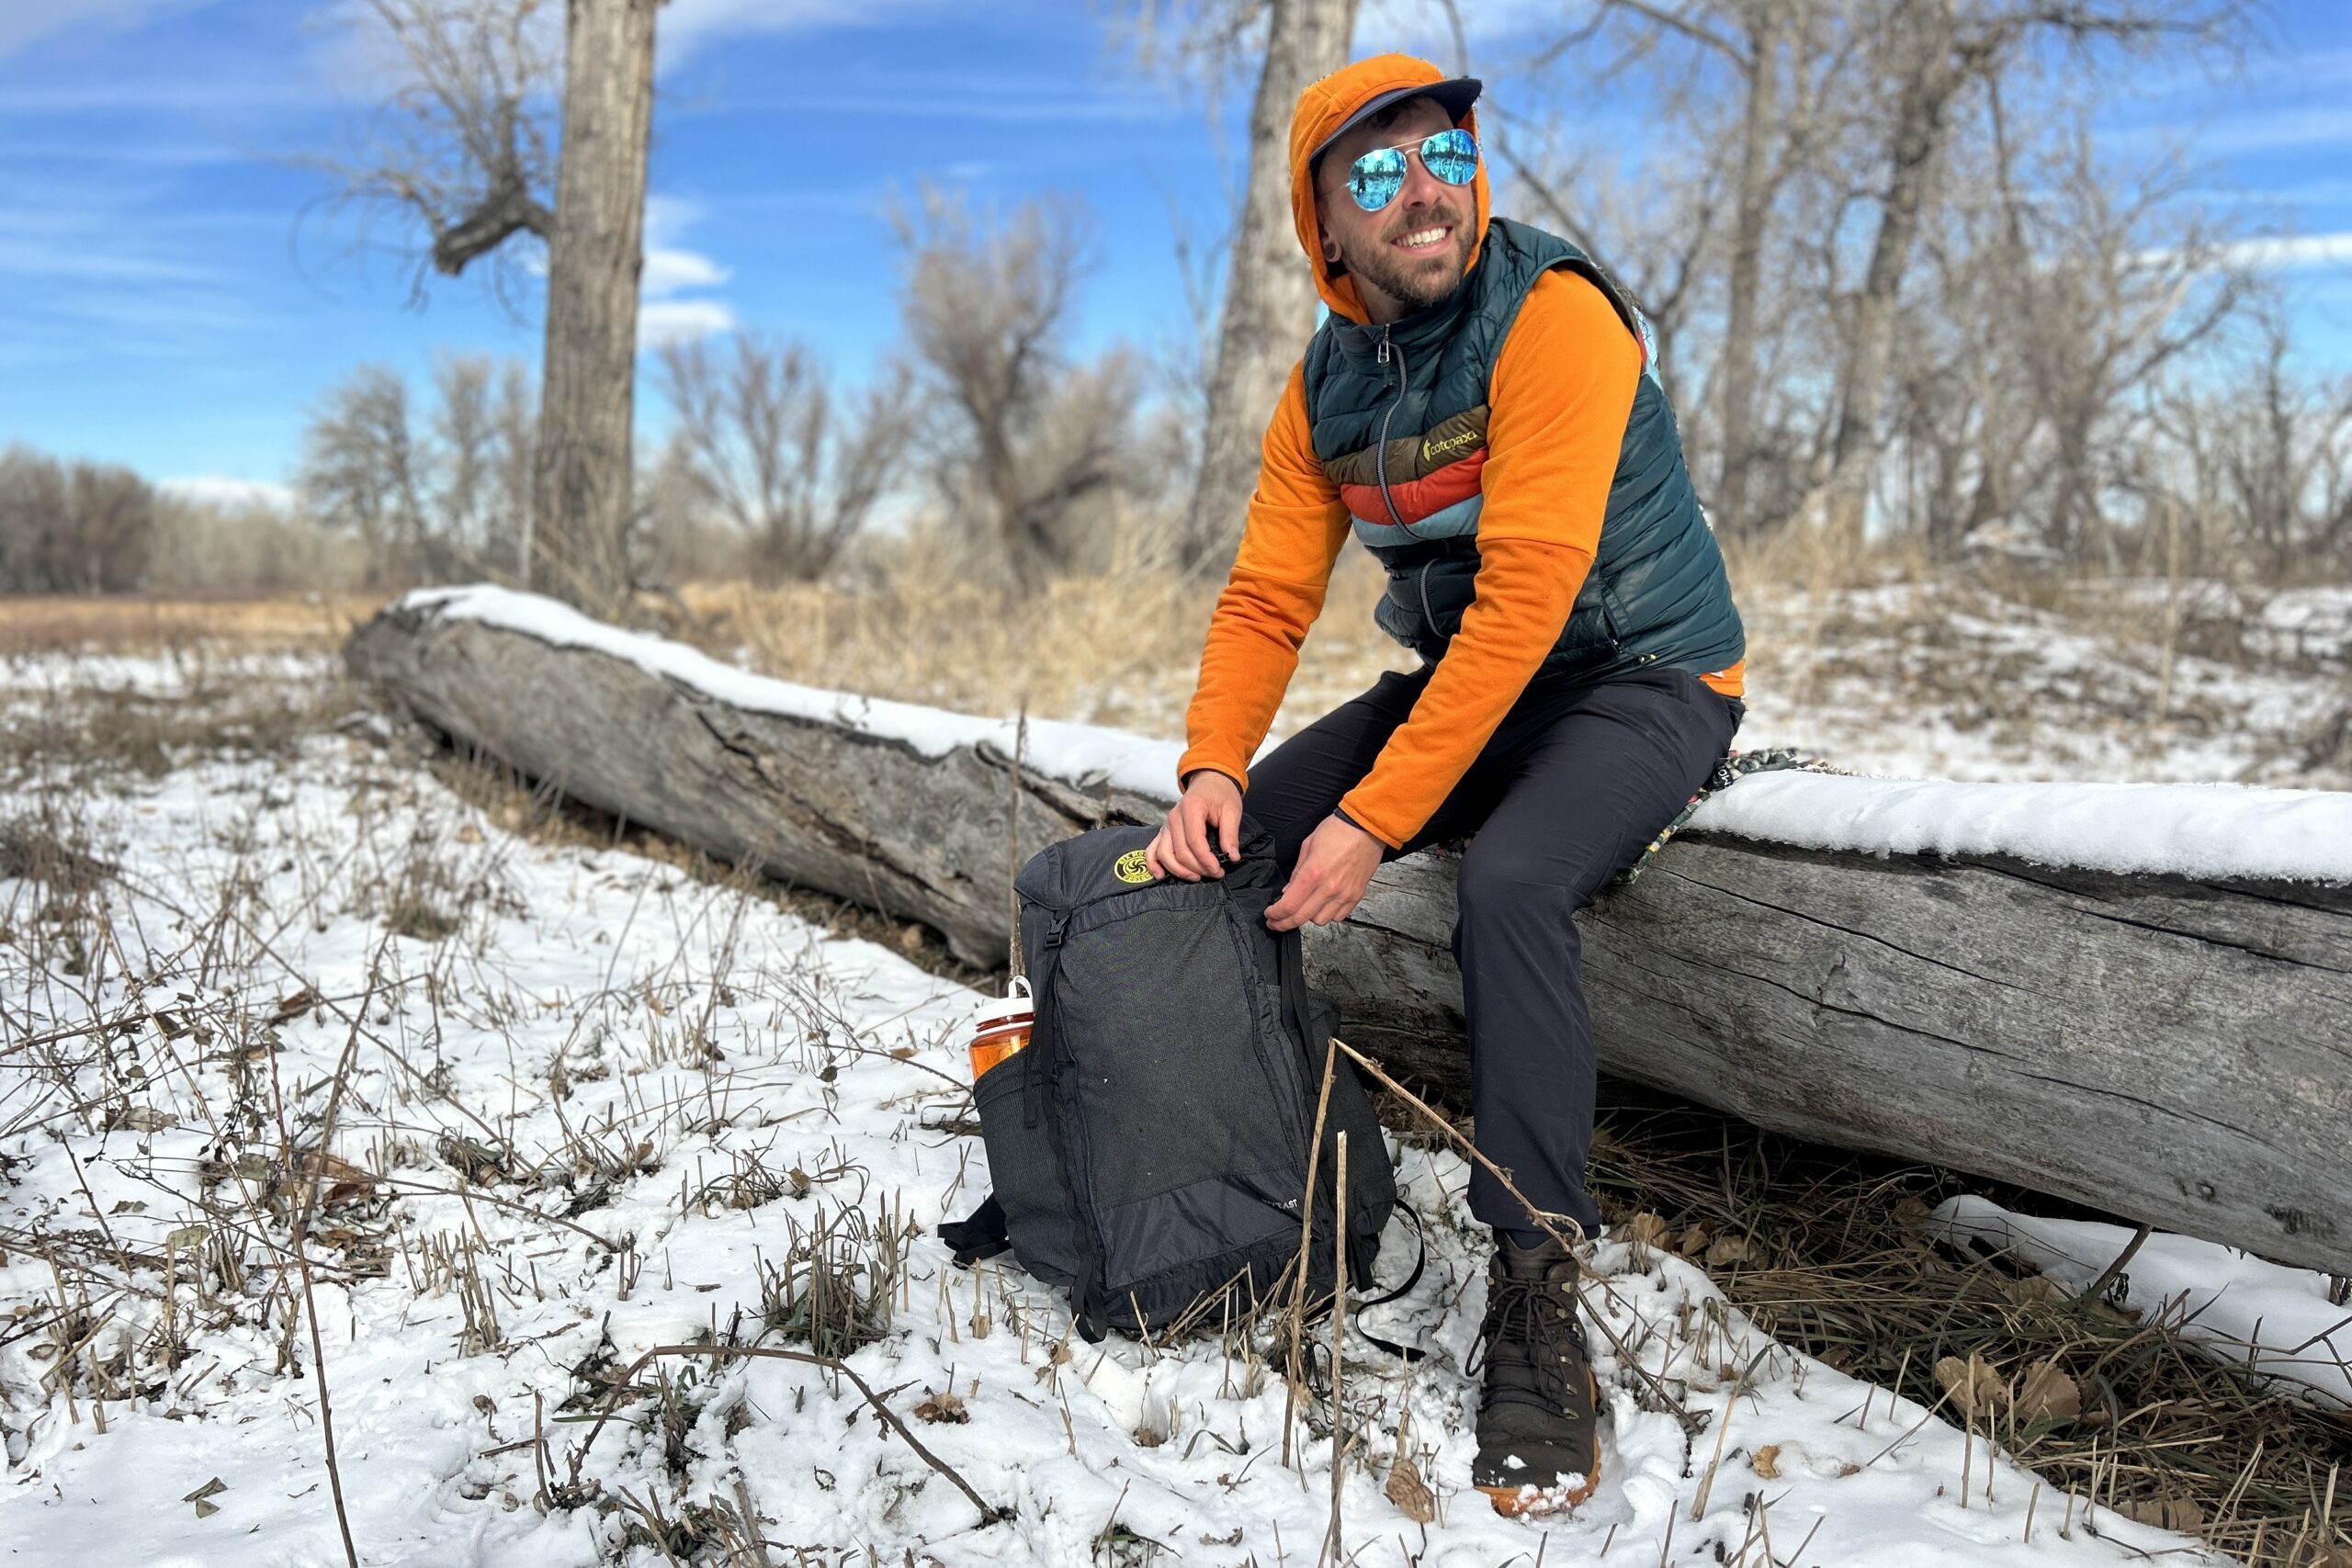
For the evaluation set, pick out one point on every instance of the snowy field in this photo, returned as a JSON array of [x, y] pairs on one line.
[[309, 1065]]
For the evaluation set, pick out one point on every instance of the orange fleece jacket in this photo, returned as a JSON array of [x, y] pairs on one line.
[[1562, 389]]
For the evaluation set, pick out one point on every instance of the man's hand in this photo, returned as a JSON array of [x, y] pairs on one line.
[[1335, 867], [1183, 847]]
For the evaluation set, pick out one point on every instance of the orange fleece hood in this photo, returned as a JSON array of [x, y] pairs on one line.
[[1323, 107]]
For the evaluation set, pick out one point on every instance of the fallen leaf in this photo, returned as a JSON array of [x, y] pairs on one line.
[[2165, 1513], [2046, 1393], [470, 834], [295, 1006], [1408, 1491], [1767, 1463], [1975, 1389], [911, 938], [1695, 1240], [944, 1408], [1729, 1250], [1648, 1229], [212, 1488], [2033, 1290]]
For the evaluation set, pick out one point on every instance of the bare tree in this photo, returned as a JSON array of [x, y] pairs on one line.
[[766, 440], [72, 528], [360, 472], [461, 147], [1031, 446], [430, 496], [1269, 310], [1780, 57], [581, 493], [481, 429], [1928, 53]]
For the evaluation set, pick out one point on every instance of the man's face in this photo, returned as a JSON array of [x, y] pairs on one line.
[[1411, 253]]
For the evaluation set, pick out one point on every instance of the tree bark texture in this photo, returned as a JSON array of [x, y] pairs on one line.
[[1269, 294], [1759, 161], [581, 483], [2174, 1051], [1915, 140]]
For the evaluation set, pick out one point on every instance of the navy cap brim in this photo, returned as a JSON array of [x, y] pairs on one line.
[[1454, 94]]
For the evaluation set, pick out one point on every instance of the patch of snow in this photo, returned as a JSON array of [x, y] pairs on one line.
[[2265, 1316], [2198, 830], [637, 1041], [1077, 754], [2201, 830]]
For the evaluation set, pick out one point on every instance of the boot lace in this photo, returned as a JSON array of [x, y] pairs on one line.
[[1528, 1344]]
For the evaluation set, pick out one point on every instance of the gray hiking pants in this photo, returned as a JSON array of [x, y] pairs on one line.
[[1574, 783]]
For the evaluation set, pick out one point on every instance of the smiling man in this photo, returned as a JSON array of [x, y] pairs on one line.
[[1479, 409]]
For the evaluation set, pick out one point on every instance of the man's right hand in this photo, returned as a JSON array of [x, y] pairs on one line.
[[1183, 847]]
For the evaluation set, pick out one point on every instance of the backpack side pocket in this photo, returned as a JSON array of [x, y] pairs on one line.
[[1026, 1171]]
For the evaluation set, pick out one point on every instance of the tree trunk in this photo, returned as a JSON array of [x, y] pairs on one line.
[[1917, 137], [2172, 1050], [1269, 294], [579, 493], [1744, 280]]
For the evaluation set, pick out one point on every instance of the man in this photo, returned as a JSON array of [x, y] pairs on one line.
[[1480, 411]]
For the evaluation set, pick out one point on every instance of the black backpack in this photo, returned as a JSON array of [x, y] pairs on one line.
[[1149, 1147]]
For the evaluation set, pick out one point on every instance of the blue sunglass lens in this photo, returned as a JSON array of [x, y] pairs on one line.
[[1376, 178], [1452, 156]]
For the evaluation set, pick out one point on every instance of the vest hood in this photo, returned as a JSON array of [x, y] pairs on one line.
[[1323, 107]]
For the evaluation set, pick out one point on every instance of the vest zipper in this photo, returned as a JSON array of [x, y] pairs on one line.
[[1380, 450]]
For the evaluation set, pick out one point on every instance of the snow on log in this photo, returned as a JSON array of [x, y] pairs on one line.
[[1941, 972]]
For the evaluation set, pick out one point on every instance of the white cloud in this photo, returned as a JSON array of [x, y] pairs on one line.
[[681, 320], [2270, 253], [25, 22], [683, 26], [2298, 251], [227, 490], [670, 270]]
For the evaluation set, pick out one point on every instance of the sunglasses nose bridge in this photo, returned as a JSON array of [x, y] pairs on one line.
[[1421, 182]]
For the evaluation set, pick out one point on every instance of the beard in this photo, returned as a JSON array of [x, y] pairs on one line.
[[1414, 282]]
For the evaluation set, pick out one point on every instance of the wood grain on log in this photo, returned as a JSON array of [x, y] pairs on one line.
[[2172, 1050]]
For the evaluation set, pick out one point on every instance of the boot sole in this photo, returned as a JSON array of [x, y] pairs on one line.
[[1525, 1502]]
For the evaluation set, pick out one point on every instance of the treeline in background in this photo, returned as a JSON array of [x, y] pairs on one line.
[[1911, 302]]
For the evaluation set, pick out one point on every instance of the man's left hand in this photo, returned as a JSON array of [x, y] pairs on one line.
[[1335, 867]]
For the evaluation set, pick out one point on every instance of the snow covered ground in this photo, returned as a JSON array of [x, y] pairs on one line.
[[581, 1105], [2279, 1321]]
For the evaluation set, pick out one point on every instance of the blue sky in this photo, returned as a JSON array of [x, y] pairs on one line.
[[175, 301]]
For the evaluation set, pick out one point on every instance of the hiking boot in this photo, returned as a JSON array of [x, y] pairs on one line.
[[1539, 1444]]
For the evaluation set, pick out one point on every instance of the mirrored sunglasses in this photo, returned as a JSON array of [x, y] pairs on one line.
[[1375, 179]]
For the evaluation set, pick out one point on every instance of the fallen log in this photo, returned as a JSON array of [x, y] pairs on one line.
[[2173, 1048]]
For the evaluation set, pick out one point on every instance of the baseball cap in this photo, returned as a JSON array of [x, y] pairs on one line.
[[1454, 94]]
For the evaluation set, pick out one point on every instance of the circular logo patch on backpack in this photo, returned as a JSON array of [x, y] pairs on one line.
[[1131, 867]]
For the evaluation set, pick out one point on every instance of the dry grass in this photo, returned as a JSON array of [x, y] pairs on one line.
[[141, 623], [1120, 648], [1838, 1270]]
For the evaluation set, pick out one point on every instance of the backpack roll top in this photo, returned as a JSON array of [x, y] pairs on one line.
[[1149, 1148]]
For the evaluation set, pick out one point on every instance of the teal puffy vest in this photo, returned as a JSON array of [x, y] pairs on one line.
[[1397, 415]]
